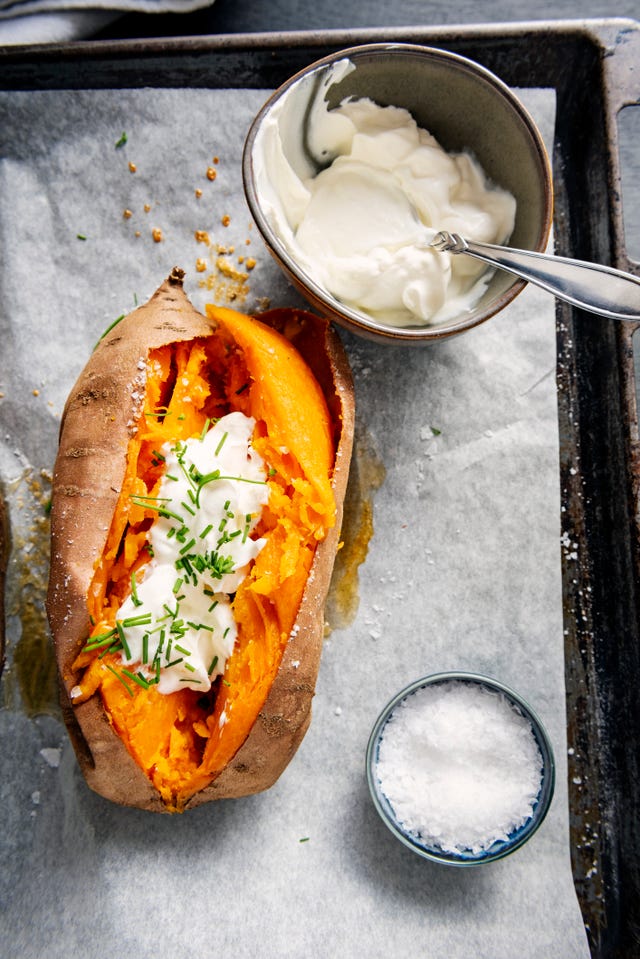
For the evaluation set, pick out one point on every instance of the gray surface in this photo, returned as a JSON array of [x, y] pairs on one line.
[[76, 853]]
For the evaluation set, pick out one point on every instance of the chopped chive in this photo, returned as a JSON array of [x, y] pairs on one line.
[[187, 547], [174, 662], [121, 142], [176, 586], [137, 678], [111, 325], [143, 619], [145, 648], [80, 236], [241, 389], [102, 639], [134, 590], [181, 649], [191, 668], [205, 428], [214, 663], [221, 443], [206, 531], [123, 639], [118, 676], [188, 508], [159, 413]]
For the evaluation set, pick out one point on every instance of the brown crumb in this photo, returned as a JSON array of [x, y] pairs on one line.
[[202, 237], [211, 173], [157, 235], [201, 265], [137, 233], [226, 220], [147, 207], [227, 269], [132, 167], [127, 214], [198, 192], [216, 159], [36, 392], [250, 263]]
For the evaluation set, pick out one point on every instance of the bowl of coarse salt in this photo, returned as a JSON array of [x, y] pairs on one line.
[[460, 768]]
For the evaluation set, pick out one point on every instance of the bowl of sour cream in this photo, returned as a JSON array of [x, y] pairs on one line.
[[355, 163], [460, 768]]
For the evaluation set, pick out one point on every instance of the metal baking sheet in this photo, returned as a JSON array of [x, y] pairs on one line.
[[592, 66]]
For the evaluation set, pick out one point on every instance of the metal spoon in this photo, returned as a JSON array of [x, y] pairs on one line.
[[598, 289]]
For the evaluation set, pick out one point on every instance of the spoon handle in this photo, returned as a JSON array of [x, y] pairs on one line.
[[590, 286]]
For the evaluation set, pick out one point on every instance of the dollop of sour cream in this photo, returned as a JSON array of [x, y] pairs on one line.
[[361, 227], [177, 627]]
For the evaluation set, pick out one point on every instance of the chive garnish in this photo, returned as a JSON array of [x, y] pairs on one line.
[[118, 676], [144, 619], [205, 428], [102, 639], [221, 443], [137, 678], [214, 663], [123, 639], [134, 590], [111, 326]]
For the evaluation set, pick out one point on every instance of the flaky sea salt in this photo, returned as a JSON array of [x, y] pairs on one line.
[[460, 766]]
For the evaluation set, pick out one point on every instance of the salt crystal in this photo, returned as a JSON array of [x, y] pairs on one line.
[[460, 766], [51, 756]]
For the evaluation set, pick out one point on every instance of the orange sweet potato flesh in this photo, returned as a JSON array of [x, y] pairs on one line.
[[169, 752]]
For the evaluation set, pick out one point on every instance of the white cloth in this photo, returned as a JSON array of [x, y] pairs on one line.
[[59, 21]]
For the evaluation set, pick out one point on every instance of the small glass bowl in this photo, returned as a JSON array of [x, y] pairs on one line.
[[500, 848]]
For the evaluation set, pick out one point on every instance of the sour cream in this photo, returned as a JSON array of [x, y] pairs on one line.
[[361, 227], [177, 627]]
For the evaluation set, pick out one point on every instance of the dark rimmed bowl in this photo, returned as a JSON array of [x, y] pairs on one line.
[[499, 849]]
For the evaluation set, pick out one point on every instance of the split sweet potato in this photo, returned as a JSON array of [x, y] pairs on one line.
[[158, 377]]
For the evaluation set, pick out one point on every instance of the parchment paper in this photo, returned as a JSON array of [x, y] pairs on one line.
[[462, 572]]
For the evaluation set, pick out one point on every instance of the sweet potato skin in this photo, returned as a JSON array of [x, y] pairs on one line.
[[88, 474]]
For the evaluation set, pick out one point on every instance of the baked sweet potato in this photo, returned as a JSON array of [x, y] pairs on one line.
[[157, 381]]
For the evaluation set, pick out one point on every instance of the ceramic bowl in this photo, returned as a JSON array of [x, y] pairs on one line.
[[463, 105], [428, 849]]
